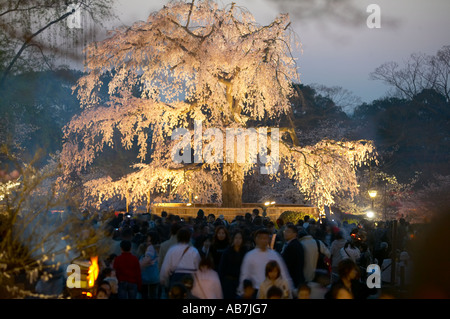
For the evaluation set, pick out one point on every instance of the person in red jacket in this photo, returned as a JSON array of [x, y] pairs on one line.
[[128, 272]]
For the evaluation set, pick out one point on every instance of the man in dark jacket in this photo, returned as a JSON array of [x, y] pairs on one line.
[[293, 255]]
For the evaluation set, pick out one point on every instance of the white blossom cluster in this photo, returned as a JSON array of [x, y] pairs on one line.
[[195, 62]]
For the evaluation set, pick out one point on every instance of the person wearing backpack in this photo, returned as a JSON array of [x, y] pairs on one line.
[[312, 249]]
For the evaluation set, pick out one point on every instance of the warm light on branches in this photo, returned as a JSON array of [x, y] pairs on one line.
[[196, 62]]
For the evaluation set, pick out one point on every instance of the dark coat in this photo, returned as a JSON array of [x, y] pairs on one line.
[[294, 258]]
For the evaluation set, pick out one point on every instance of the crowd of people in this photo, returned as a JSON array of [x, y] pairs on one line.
[[250, 257]]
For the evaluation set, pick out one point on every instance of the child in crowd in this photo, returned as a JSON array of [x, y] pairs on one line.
[[274, 278], [249, 290], [274, 292], [304, 292], [109, 275]]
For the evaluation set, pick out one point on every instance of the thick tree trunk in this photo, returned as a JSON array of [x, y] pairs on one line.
[[232, 182]]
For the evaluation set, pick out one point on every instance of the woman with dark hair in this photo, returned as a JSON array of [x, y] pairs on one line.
[[149, 266], [206, 281], [274, 278], [335, 250], [220, 242], [230, 264], [349, 286]]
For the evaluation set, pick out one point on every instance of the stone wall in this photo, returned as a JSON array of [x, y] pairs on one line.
[[273, 212]]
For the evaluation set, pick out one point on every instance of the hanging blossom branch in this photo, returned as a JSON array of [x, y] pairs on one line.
[[196, 62]]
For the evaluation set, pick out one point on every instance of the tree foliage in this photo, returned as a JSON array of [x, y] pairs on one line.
[[31, 32], [419, 72], [41, 228], [34, 107], [198, 62], [412, 133]]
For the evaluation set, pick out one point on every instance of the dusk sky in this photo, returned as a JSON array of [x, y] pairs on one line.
[[335, 54]]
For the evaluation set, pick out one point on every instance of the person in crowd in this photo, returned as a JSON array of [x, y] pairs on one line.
[[365, 259], [163, 226], [350, 251], [104, 285], [306, 219], [188, 283], [270, 225], [205, 247], [200, 219], [335, 251], [138, 237], [304, 291], [312, 227], [293, 254], [181, 259], [125, 234], [201, 231], [255, 213], [254, 262], [210, 223], [109, 275], [258, 224], [165, 245], [311, 253], [108, 262], [101, 293], [220, 242], [349, 286], [206, 281], [274, 292], [320, 285], [274, 278], [178, 291], [249, 292], [149, 267], [381, 253], [115, 221], [128, 272], [224, 221], [230, 265], [248, 219], [331, 230], [279, 241]]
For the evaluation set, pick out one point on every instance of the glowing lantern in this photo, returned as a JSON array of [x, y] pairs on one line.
[[372, 193]]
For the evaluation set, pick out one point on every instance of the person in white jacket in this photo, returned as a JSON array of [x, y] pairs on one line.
[[181, 259], [311, 254], [206, 281], [350, 251], [254, 263]]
